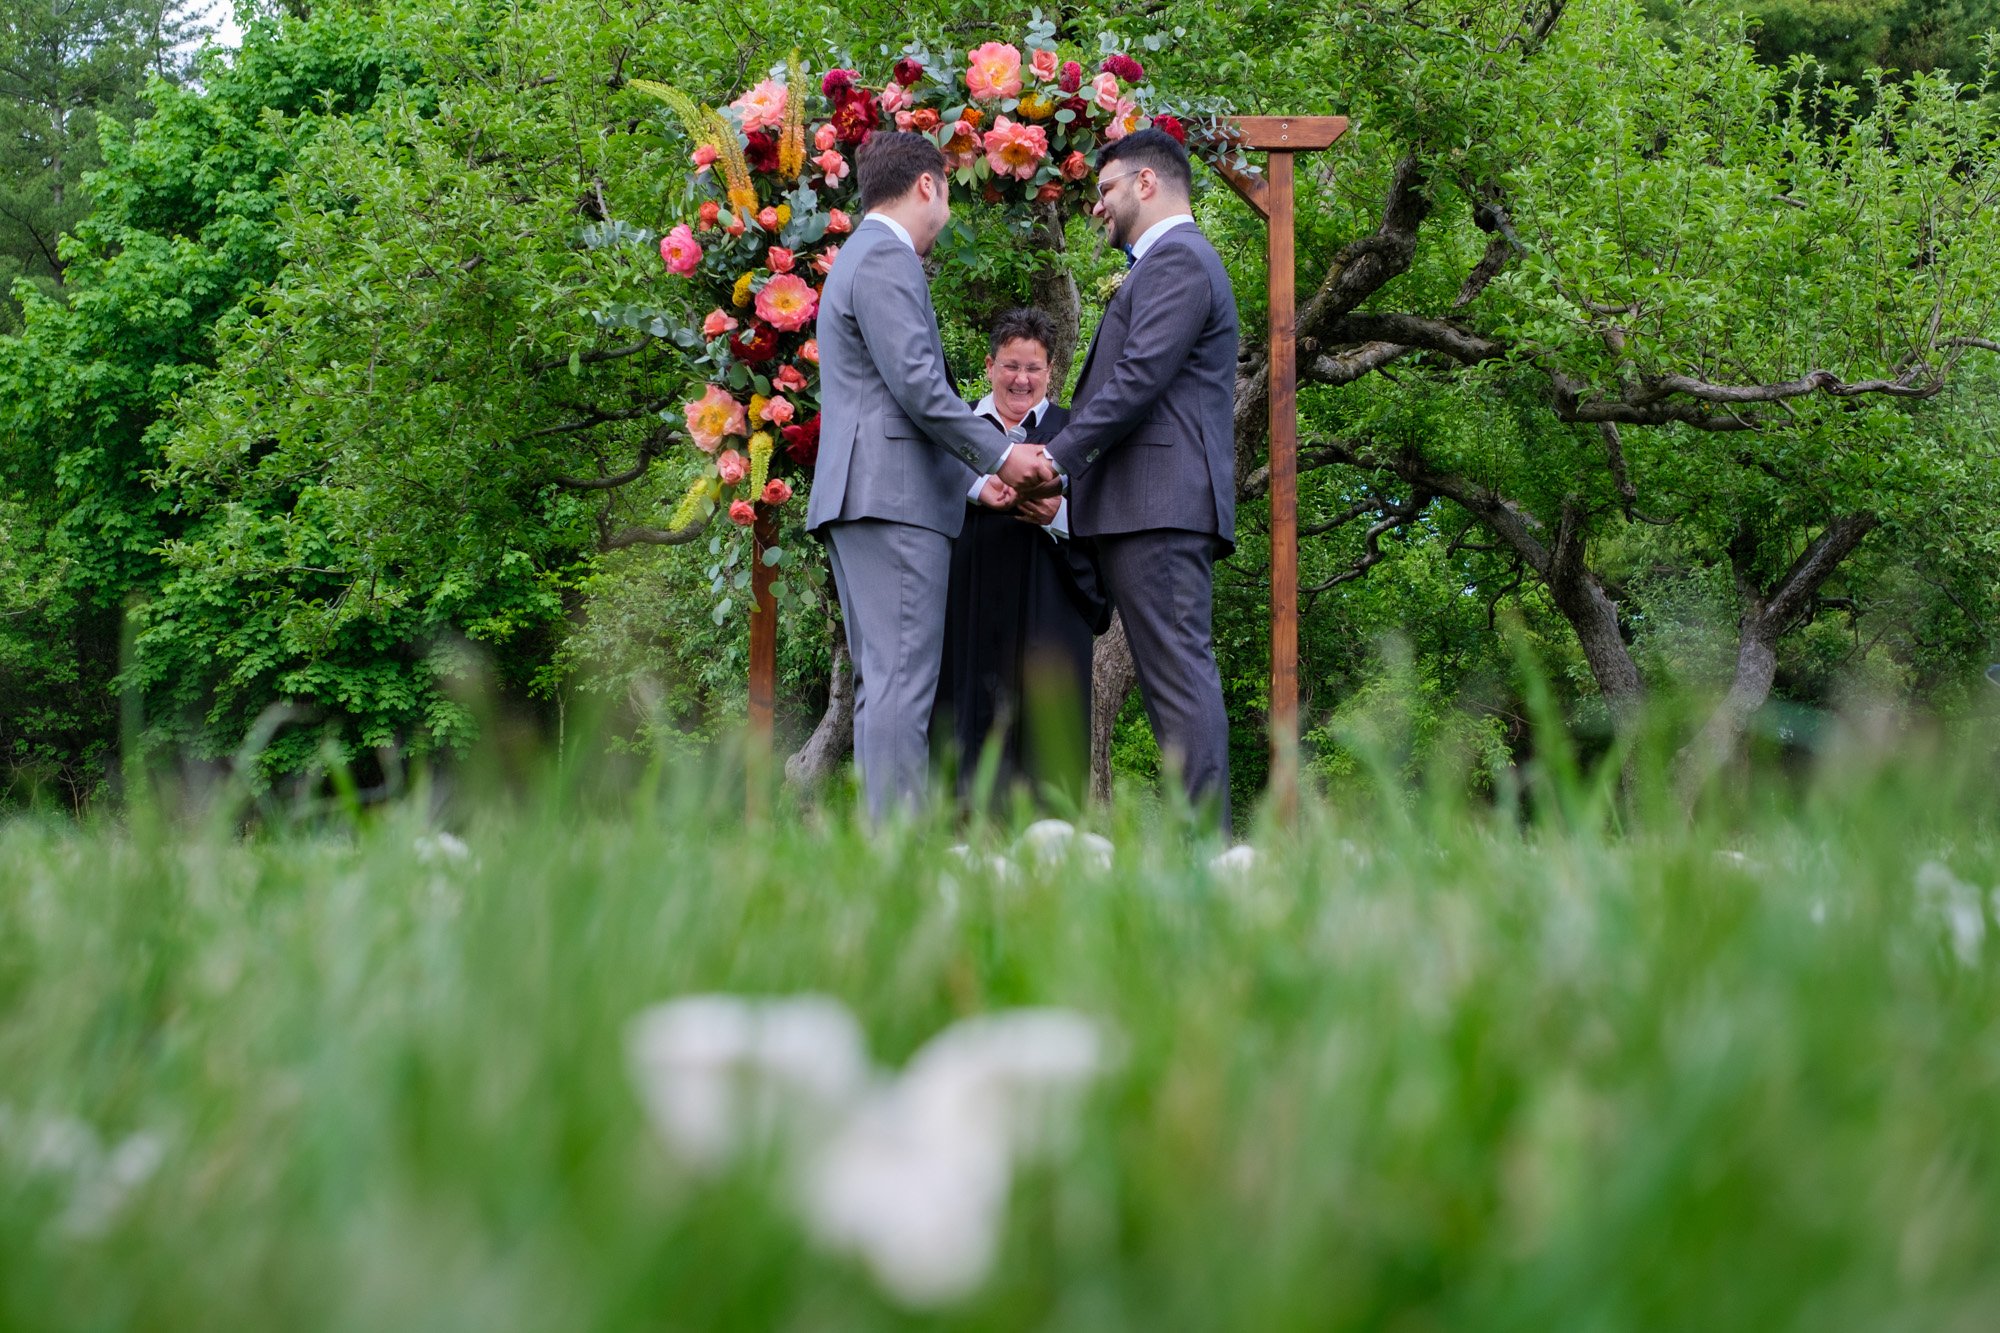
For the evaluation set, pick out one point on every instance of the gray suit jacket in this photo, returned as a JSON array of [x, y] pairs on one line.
[[893, 431], [1151, 440]]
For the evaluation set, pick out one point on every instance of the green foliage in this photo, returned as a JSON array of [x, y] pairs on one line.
[[1852, 36]]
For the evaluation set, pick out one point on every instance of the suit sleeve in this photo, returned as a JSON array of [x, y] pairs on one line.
[[892, 308], [1163, 326]]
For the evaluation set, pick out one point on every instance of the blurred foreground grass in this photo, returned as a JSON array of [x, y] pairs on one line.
[[1423, 1067]]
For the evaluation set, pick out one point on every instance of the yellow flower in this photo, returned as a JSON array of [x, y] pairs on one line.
[[761, 445], [784, 214], [741, 295], [1037, 107], [757, 402]]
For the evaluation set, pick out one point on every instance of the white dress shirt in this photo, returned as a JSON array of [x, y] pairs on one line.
[[1153, 234], [1059, 526]]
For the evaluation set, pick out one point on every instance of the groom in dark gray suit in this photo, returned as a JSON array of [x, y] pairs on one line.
[[1150, 450], [888, 495]]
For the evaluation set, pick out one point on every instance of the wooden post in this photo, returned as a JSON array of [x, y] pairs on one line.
[[763, 660], [1282, 137]]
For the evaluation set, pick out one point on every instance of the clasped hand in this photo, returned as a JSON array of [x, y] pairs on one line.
[[1036, 497]]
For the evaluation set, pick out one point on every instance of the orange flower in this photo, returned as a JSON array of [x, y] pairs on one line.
[[1015, 149], [779, 259], [714, 415], [786, 303]]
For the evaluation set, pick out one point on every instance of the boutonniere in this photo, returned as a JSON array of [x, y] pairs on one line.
[[1107, 286]]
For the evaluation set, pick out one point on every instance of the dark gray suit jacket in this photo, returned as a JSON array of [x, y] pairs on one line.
[[893, 430], [1151, 440]]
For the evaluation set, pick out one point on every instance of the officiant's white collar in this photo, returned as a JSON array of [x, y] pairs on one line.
[[902, 234], [985, 408], [1155, 232]]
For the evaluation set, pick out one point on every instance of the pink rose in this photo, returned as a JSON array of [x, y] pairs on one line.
[[905, 119], [763, 107], [826, 257], [681, 251], [732, 467], [1014, 148], [778, 411], [1124, 119], [1045, 65], [735, 227], [714, 415], [776, 492], [741, 514], [767, 218], [894, 98], [704, 156], [717, 324], [993, 71], [838, 223], [711, 213], [1075, 167], [789, 379], [786, 303], [833, 164], [1104, 90], [779, 258], [810, 352], [824, 138]]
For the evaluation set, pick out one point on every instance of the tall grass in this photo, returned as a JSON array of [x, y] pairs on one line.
[[1559, 1063]]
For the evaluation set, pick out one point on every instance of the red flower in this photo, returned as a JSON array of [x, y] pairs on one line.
[[1170, 125], [1076, 104], [711, 213], [761, 152], [1072, 77], [856, 118], [802, 441], [1125, 67], [991, 193], [909, 71], [1049, 193], [757, 346], [837, 84]]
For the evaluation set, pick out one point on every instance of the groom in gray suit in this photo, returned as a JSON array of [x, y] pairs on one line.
[[1150, 450], [888, 495]]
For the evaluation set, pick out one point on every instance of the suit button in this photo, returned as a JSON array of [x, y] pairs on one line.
[[1092, 457]]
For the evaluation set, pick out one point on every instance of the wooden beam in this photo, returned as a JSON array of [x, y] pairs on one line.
[[1284, 491], [1289, 134], [1252, 190], [763, 659]]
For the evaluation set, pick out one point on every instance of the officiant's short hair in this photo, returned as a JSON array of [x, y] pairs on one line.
[[1150, 148], [888, 165], [1025, 324]]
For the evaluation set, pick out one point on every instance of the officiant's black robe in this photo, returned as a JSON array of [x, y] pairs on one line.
[[1022, 610]]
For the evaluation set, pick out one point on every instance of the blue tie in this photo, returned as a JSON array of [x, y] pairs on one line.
[[1130, 258]]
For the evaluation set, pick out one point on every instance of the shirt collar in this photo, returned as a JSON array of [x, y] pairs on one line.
[[1155, 232], [985, 408], [902, 234]]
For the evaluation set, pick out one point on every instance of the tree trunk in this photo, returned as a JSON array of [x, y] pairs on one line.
[[833, 738], [1053, 288], [1767, 615], [1112, 678]]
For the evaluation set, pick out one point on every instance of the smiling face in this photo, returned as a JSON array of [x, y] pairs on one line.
[[1019, 374], [1122, 196]]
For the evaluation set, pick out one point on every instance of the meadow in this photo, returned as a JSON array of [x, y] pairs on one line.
[[1568, 1062]]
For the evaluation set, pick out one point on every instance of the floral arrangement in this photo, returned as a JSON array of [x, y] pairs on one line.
[[1020, 126]]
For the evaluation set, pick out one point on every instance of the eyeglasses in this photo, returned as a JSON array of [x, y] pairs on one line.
[[1104, 186]]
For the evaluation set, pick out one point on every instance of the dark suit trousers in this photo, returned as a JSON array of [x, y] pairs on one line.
[[1162, 583]]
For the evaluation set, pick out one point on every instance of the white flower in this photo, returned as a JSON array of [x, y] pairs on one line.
[[715, 1069], [1238, 860], [1050, 841]]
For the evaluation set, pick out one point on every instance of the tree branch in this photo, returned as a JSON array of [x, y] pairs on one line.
[[647, 536]]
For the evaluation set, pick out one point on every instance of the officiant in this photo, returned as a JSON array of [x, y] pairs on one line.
[[1024, 604]]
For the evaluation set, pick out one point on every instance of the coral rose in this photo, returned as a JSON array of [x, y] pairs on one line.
[[741, 514], [810, 352], [681, 251], [1045, 65], [787, 303], [909, 71], [924, 119], [1015, 149], [1125, 67], [1104, 91], [704, 156], [711, 213], [993, 71], [895, 98], [767, 218], [717, 324], [838, 223], [776, 492], [779, 258], [779, 411], [1072, 77], [1049, 193], [906, 121], [789, 379], [731, 466], [735, 227], [1075, 167], [763, 107], [824, 138], [714, 415], [826, 257], [834, 165]]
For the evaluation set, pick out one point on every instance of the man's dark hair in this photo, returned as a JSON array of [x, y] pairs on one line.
[[888, 165], [1150, 148], [1024, 323]]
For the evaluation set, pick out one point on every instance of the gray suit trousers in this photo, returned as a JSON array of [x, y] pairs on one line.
[[892, 579], [1162, 583]]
